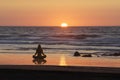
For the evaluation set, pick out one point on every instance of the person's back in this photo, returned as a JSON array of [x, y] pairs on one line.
[[39, 52]]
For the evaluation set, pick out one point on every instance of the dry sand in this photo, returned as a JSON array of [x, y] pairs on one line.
[[62, 68], [38, 72]]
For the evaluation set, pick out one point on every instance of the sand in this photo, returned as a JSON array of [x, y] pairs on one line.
[[59, 60], [63, 68], [37, 72], [58, 67]]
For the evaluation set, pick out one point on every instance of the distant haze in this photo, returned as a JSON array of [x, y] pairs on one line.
[[54, 12]]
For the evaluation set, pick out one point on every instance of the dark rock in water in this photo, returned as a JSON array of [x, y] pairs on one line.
[[87, 55], [81, 36], [115, 54], [105, 54], [76, 53], [112, 54]]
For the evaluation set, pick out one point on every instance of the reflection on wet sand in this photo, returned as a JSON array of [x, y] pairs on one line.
[[59, 59], [62, 61], [39, 60]]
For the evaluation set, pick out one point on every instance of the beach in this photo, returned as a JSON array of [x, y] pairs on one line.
[[37, 72], [18, 45], [25, 74], [58, 66], [60, 60], [59, 40]]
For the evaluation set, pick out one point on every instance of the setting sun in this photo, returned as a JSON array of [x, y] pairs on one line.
[[64, 25]]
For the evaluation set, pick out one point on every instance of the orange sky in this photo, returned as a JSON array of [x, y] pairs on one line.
[[54, 12]]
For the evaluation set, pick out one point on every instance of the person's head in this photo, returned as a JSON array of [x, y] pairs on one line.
[[39, 46]]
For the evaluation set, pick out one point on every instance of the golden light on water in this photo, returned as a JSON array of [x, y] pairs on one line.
[[64, 25], [62, 61]]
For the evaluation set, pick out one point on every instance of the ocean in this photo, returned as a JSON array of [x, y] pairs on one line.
[[25, 40]]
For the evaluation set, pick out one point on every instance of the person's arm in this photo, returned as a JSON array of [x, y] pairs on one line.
[[42, 52], [35, 54]]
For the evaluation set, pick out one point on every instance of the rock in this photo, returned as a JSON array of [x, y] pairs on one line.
[[76, 53], [112, 54], [115, 54], [87, 55]]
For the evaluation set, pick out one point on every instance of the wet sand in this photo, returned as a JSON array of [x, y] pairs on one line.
[[58, 67], [59, 60]]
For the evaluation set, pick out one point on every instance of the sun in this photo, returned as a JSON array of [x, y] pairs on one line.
[[64, 25]]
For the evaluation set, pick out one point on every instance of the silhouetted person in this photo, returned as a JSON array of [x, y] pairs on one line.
[[39, 61], [39, 53]]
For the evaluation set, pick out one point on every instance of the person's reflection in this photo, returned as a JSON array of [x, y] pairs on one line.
[[39, 61], [39, 56]]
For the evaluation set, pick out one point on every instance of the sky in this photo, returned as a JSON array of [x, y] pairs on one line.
[[55, 12]]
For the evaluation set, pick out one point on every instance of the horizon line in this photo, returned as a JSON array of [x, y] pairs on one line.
[[60, 26]]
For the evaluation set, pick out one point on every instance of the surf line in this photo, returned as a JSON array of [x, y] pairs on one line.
[[62, 60]]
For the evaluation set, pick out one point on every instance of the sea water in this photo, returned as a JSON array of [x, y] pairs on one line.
[[60, 40]]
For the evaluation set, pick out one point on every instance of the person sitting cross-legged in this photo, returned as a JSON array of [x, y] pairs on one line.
[[39, 53]]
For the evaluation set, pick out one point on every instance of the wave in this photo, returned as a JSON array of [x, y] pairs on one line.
[[5, 36], [104, 48], [92, 36], [81, 36], [69, 43]]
